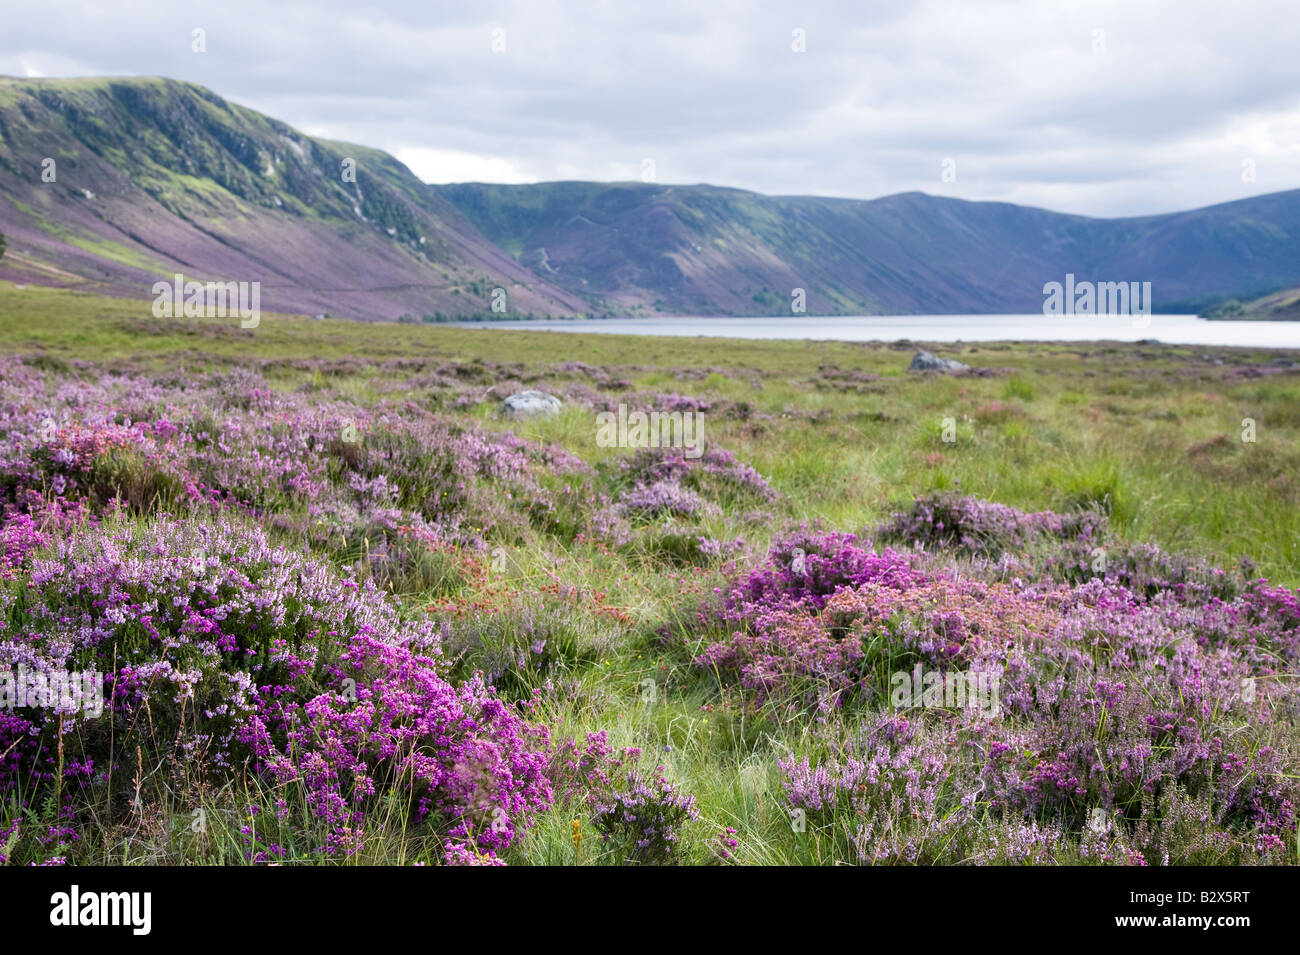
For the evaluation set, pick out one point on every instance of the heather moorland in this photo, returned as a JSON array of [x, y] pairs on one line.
[[333, 605]]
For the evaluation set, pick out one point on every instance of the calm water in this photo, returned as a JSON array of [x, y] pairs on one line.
[[1172, 329]]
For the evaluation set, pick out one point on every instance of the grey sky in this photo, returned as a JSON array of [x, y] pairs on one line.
[[1159, 111]]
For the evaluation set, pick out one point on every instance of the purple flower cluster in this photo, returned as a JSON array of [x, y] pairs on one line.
[[638, 812], [1110, 698], [328, 471], [19, 536], [221, 649], [900, 795], [666, 498], [947, 520], [774, 635], [804, 569], [665, 481]]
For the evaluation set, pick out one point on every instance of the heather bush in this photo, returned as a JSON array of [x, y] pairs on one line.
[[222, 651], [766, 632], [889, 797], [805, 568], [1108, 698], [641, 819], [19, 536], [637, 811], [946, 520], [926, 788], [665, 481], [666, 498]]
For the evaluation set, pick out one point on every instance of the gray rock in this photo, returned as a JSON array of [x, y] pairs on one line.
[[528, 403], [924, 361]]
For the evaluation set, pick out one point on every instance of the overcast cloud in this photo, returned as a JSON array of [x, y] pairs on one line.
[[1158, 111]]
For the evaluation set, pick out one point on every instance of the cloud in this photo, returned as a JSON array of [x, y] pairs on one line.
[[444, 165], [1100, 108]]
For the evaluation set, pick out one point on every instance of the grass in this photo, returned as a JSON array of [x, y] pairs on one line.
[[1153, 435]]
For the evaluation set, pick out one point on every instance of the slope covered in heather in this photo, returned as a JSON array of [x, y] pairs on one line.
[[708, 250], [154, 176]]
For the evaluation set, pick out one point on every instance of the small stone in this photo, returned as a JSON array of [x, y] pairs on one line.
[[924, 361], [530, 403]]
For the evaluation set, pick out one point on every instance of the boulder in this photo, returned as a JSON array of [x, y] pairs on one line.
[[526, 404], [924, 361]]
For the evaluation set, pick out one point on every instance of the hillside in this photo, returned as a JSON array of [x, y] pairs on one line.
[[154, 176], [1283, 306], [708, 250]]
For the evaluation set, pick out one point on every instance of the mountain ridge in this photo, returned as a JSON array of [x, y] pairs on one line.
[[903, 253], [157, 176]]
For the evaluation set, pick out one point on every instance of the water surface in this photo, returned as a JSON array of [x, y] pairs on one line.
[[1171, 329]]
